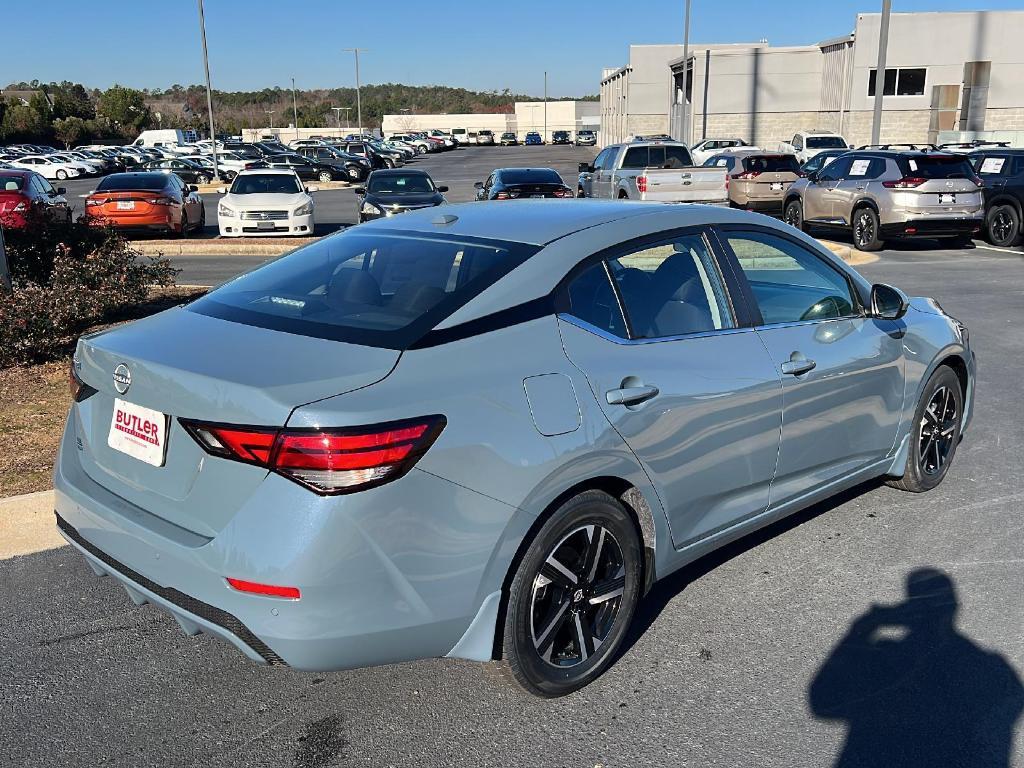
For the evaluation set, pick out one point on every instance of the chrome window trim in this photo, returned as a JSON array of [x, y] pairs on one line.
[[584, 325], [793, 323]]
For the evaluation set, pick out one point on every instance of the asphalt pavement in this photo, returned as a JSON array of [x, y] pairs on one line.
[[735, 661]]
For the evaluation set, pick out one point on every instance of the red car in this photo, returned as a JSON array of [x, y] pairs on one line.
[[147, 201], [21, 191]]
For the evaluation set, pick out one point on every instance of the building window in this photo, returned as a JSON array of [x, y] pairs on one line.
[[899, 82]]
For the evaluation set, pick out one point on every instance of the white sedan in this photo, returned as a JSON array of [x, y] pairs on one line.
[[266, 202], [48, 167]]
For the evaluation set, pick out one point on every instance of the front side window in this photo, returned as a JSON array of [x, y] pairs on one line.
[[671, 288], [379, 289], [836, 170], [790, 283]]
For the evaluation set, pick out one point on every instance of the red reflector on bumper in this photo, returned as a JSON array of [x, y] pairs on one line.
[[290, 593]]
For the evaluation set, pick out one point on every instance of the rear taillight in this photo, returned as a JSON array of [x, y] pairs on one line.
[[270, 590], [327, 461], [747, 175], [94, 201], [78, 388], [641, 183], [907, 182], [564, 192], [160, 201], [501, 196]]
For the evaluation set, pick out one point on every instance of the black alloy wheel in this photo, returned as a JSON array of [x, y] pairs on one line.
[[1002, 225], [866, 230], [794, 215], [935, 433]]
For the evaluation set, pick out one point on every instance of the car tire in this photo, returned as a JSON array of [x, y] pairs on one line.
[[587, 549], [202, 219], [794, 214], [184, 226], [61, 174], [326, 176], [1002, 225], [865, 230], [935, 433]]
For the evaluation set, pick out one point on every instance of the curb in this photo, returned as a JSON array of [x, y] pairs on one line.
[[26, 525], [849, 254], [217, 247]]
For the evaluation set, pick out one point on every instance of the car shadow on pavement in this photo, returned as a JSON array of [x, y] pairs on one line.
[[913, 690]]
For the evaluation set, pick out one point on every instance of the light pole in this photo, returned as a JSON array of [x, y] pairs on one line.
[[883, 44], [209, 90], [337, 115], [359, 103], [295, 110], [545, 107], [686, 74], [271, 113], [348, 123]]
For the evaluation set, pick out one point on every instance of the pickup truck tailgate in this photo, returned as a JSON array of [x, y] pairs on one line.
[[684, 185]]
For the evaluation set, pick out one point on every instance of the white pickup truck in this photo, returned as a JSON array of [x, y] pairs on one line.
[[660, 171]]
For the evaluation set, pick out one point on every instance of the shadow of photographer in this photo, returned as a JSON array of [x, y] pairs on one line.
[[914, 691]]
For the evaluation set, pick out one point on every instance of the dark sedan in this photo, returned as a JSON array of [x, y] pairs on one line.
[[356, 167], [306, 169], [187, 171], [561, 137], [390, 192], [517, 183]]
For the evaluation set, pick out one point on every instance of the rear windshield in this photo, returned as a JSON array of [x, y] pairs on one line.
[[149, 181], [771, 163], [937, 167], [658, 156], [382, 289], [531, 176], [266, 183], [11, 183], [825, 142], [405, 184]]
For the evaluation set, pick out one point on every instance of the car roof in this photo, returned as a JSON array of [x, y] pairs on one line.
[[399, 172], [265, 171], [539, 222], [17, 172]]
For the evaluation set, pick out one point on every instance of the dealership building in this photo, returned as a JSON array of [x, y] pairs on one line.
[[527, 116], [948, 76]]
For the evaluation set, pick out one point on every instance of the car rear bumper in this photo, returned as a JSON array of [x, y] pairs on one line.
[[391, 574], [932, 227]]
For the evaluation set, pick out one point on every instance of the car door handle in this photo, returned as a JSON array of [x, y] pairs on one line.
[[630, 395], [798, 366]]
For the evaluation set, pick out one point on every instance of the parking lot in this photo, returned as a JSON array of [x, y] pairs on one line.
[[719, 669]]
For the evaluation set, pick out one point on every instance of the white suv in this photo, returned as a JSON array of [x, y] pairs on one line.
[[806, 144]]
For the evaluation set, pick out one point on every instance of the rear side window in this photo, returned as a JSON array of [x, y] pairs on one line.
[[671, 289], [636, 157], [790, 283], [771, 163], [384, 289], [592, 300], [937, 167]]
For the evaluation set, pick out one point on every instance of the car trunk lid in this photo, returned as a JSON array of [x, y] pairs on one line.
[[189, 366]]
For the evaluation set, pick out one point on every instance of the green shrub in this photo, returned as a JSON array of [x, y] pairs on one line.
[[68, 277]]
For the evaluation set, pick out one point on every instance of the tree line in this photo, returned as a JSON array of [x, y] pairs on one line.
[[72, 114]]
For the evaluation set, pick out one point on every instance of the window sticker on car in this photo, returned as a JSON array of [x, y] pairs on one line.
[[913, 165], [860, 167], [992, 164], [827, 161], [721, 162]]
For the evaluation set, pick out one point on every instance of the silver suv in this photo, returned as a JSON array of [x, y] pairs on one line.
[[885, 195]]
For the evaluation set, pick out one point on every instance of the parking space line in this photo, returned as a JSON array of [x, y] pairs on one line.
[[1014, 251]]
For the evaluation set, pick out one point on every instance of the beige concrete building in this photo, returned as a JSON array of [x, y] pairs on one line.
[[527, 116], [948, 76]]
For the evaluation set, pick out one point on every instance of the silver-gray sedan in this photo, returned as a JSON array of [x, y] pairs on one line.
[[485, 432]]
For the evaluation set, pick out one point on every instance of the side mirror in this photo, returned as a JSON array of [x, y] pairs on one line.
[[586, 168], [478, 185], [359, 190], [442, 189], [888, 303], [813, 177]]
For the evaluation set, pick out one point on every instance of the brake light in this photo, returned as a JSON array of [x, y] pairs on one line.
[[564, 192], [290, 593], [641, 183], [501, 196], [327, 461], [160, 201], [907, 182], [94, 201], [78, 388]]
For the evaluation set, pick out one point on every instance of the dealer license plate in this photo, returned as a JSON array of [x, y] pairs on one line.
[[139, 432], [775, 186], [126, 205], [264, 225], [947, 199]]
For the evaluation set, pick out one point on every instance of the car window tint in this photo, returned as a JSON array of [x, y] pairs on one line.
[[378, 290], [592, 300], [677, 157], [771, 163], [789, 282], [636, 157], [835, 170], [671, 288]]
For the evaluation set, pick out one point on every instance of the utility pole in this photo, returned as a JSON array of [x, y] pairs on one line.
[[545, 107], [271, 113], [337, 115], [883, 44], [686, 74], [348, 123], [209, 90], [359, 103], [295, 110]]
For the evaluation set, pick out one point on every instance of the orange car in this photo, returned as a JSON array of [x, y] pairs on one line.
[[147, 201]]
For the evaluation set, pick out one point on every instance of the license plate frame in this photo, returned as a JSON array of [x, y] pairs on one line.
[[265, 225], [126, 205], [947, 198], [138, 432], [775, 186]]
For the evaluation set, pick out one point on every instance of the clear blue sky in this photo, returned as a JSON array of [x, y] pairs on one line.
[[478, 45]]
